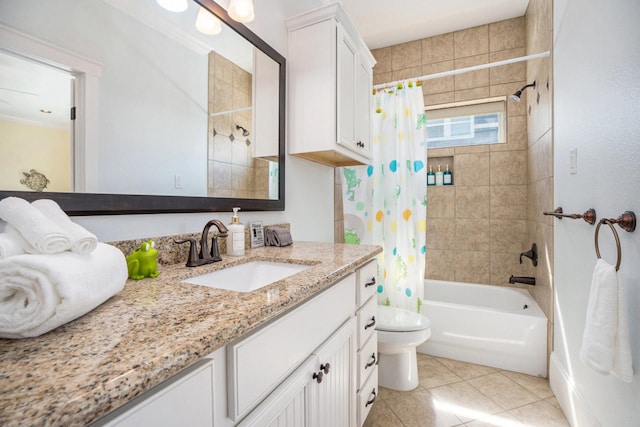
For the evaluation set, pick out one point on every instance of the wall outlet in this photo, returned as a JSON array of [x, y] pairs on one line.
[[178, 181], [573, 161]]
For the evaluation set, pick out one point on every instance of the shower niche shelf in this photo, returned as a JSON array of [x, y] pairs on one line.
[[443, 161]]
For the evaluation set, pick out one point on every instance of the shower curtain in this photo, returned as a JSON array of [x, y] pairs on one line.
[[385, 203]]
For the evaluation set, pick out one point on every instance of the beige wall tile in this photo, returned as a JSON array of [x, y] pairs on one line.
[[508, 73], [508, 167], [439, 85], [469, 149], [472, 267], [508, 235], [504, 265], [470, 42], [440, 234], [439, 98], [507, 34], [383, 60], [382, 78], [472, 202], [473, 79], [223, 69], [517, 132], [440, 152], [440, 202], [437, 48], [473, 235], [544, 192], [508, 202], [544, 161], [472, 169], [406, 55], [406, 73], [469, 94], [439, 263]]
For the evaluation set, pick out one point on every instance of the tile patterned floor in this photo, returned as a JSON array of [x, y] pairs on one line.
[[453, 393]]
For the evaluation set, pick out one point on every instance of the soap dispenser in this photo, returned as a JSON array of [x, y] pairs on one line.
[[235, 240]]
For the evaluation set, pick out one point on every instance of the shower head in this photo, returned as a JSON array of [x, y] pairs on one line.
[[516, 96], [244, 131]]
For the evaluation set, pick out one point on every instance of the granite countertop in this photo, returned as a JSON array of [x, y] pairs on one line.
[[150, 331]]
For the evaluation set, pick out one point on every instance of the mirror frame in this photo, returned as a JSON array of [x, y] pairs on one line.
[[123, 204]]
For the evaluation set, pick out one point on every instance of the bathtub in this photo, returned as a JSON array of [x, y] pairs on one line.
[[488, 325]]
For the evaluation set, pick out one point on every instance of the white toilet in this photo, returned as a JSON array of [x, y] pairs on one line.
[[400, 331]]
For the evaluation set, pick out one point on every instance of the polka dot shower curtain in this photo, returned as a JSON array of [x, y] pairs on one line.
[[385, 202]]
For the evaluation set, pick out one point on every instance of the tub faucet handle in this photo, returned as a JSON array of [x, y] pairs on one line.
[[532, 254]]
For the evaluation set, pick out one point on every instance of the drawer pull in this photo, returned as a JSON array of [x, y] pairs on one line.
[[373, 361], [325, 367], [318, 376], [373, 399], [371, 283], [371, 324]]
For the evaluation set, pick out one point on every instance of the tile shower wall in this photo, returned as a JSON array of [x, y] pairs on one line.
[[539, 105], [232, 170], [476, 228]]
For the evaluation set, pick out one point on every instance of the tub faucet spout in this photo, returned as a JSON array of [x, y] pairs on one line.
[[524, 280]]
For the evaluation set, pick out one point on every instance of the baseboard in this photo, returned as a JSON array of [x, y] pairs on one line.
[[570, 400]]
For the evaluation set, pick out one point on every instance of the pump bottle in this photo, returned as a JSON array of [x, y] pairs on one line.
[[235, 239]]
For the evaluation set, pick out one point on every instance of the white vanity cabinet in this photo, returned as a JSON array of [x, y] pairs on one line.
[[330, 81]]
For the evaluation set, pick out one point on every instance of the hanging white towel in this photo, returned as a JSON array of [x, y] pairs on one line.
[[40, 234], [9, 246], [82, 241], [41, 292], [605, 341]]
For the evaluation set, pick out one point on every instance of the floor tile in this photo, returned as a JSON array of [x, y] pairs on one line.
[[465, 370], [502, 390], [382, 416], [417, 408], [433, 374], [538, 386], [464, 401], [540, 414]]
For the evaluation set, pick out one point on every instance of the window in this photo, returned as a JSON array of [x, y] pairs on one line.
[[467, 123]]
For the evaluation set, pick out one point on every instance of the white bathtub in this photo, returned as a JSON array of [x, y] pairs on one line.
[[488, 325]]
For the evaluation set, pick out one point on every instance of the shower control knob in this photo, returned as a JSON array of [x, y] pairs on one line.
[[318, 376], [325, 367]]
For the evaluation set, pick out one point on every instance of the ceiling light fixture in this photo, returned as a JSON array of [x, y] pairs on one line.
[[241, 10], [174, 5], [207, 23]]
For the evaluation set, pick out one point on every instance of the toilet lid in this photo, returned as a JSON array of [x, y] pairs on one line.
[[396, 319]]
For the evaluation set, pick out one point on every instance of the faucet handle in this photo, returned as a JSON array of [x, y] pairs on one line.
[[193, 260]]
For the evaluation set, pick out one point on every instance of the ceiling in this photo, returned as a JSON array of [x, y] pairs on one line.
[[384, 23]]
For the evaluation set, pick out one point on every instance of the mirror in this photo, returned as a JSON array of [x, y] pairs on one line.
[[201, 128]]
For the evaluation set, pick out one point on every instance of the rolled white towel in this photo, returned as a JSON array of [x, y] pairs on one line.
[[9, 246], [82, 241], [41, 292], [41, 235]]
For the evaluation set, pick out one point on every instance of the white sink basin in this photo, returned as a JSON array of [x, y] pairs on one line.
[[247, 277]]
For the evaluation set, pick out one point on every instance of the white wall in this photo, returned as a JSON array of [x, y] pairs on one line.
[[597, 108], [309, 186]]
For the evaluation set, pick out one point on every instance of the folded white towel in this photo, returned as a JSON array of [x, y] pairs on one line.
[[41, 292], [82, 241], [9, 246], [40, 234], [605, 341]]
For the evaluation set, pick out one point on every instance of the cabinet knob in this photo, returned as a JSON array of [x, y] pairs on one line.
[[373, 361], [373, 399], [370, 324], [371, 283], [325, 367], [318, 376]]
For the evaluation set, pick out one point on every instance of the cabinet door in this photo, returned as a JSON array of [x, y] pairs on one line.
[[364, 83], [347, 60], [334, 397], [185, 399]]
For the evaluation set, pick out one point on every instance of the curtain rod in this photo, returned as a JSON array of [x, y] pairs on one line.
[[467, 69]]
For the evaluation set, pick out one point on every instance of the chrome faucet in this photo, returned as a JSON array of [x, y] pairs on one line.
[[205, 256]]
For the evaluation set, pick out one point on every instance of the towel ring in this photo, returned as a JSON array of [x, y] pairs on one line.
[[615, 234]]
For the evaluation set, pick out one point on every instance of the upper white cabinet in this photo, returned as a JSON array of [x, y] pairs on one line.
[[330, 81]]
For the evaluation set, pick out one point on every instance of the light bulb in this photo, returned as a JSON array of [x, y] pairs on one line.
[[174, 5], [241, 10], [207, 23]]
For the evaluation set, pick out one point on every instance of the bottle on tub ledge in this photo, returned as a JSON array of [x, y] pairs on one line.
[[431, 177], [439, 177], [447, 177], [235, 239]]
